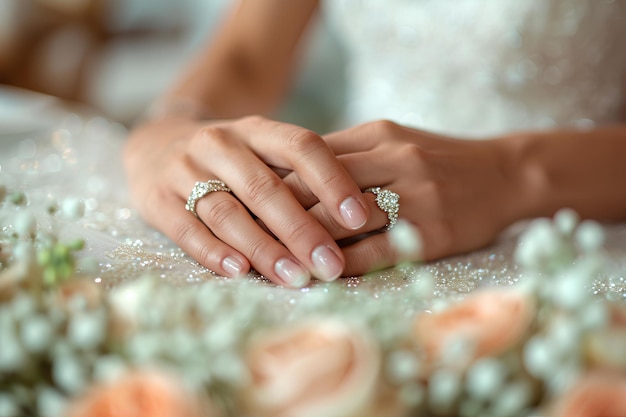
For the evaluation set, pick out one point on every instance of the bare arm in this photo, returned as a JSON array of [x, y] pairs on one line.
[[581, 169], [247, 66], [243, 70]]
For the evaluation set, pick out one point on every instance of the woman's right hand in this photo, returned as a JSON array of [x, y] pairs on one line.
[[164, 158]]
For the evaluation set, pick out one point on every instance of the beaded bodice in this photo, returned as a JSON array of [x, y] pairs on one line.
[[481, 67]]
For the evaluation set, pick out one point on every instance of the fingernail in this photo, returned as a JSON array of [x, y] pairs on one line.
[[353, 213], [291, 273], [233, 266], [327, 264]]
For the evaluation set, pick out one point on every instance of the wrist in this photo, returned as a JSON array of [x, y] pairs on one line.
[[179, 107], [527, 176]]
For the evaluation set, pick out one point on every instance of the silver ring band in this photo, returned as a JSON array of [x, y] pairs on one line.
[[200, 189], [387, 201]]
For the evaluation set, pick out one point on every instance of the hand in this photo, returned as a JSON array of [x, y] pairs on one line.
[[165, 158], [459, 194]]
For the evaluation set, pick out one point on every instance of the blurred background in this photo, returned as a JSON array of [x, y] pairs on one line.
[[116, 56]]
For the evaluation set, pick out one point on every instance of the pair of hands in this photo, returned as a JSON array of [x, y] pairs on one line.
[[295, 194]]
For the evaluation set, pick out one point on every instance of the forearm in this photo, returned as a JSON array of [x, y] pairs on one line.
[[581, 169], [245, 68]]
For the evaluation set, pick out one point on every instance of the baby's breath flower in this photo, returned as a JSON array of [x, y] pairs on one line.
[[36, 333], [539, 357], [86, 330], [406, 240], [73, 208], [402, 366], [589, 236], [50, 403], [485, 377], [566, 220], [8, 406], [443, 389]]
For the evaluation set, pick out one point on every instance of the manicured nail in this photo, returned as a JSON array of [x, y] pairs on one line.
[[327, 264], [353, 213], [291, 273], [232, 266]]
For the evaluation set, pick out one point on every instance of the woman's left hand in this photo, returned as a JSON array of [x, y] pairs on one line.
[[459, 194]]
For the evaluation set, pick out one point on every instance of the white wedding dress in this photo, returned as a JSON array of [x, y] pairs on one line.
[[483, 67]]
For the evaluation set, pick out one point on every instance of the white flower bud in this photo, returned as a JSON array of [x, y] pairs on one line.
[[444, 388], [590, 236], [73, 208], [406, 240], [569, 289], [8, 406], [566, 220], [539, 358], [50, 403], [68, 373], [86, 330], [485, 377], [36, 333], [402, 366]]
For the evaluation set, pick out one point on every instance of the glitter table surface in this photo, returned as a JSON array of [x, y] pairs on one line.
[[52, 152]]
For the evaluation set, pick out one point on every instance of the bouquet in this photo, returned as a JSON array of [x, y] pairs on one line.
[[69, 346]]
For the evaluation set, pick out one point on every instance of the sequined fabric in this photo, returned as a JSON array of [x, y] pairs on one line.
[[477, 68]]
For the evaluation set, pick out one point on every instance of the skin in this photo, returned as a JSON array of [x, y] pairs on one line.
[[291, 184]]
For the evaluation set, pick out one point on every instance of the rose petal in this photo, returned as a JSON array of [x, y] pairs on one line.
[[315, 369], [595, 395], [492, 321], [137, 394]]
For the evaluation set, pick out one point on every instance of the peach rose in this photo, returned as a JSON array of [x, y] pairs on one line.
[[491, 321], [138, 394], [598, 394], [315, 369]]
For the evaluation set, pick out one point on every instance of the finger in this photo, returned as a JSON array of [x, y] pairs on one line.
[[292, 147], [262, 191], [383, 250], [368, 136], [368, 169], [376, 221], [230, 222], [197, 241]]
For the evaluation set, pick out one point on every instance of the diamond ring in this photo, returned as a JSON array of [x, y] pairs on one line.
[[200, 190], [387, 201]]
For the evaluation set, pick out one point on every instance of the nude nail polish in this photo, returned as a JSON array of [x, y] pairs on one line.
[[232, 266], [327, 265], [291, 273], [353, 213]]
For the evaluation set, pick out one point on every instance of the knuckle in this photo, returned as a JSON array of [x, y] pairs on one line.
[[254, 119], [262, 188], [184, 232], [303, 142], [222, 213], [295, 230], [206, 255], [257, 250], [413, 152], [385, 126], [186, 235], [214, 135]]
